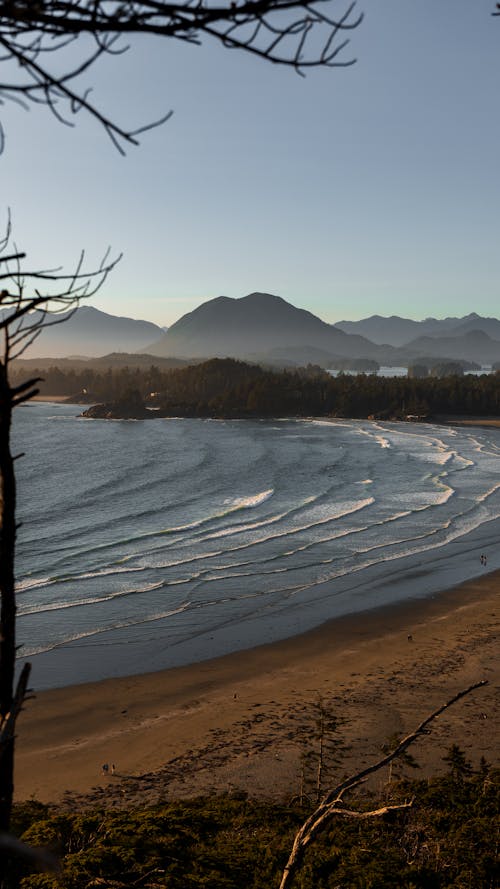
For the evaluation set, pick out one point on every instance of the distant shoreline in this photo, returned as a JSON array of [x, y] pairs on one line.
[[440, 420]]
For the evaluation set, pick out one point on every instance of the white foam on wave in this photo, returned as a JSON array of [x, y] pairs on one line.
[[239, 529], [466, 461], [446, 490], [489, 493], [249, 502], [41, 582], [346, 532], [233, 505], [289, 532], [75, 637], [23, 586], [379, 439], [94, 600], [345, 510]]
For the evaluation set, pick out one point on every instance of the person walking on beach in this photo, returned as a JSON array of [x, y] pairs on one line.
[[105, 768]]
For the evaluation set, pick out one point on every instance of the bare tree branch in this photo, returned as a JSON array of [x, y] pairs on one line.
[[329, 806], [34, 34]]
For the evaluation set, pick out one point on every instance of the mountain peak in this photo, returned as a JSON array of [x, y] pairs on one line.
[[254, 325]]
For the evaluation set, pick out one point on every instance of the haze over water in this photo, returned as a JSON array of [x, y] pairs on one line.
[[156, 543]]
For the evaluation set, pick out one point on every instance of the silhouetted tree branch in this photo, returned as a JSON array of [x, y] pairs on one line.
[[332, 804], [36, 34], [24, 312]]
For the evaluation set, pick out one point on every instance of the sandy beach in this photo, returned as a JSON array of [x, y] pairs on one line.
[[238, 722]]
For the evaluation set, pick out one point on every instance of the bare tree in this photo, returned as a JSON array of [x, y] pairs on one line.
[[24, 311], [333, 803], [35, 36]]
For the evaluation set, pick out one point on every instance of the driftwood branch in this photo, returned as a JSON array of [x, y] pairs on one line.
[[329, 806]]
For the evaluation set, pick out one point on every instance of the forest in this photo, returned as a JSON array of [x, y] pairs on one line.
[[228, 388], [447, 839]]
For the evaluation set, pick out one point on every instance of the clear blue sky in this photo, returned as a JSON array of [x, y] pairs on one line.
[[371, 189]]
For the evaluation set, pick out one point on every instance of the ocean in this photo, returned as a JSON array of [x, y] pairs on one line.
[[151, 544]]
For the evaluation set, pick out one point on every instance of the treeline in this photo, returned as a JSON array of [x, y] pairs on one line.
[[447, 840], [229, 388]]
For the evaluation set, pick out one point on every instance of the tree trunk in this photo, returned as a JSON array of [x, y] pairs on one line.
[[7, 594]]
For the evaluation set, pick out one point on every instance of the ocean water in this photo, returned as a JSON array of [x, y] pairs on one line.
[[156, 543]]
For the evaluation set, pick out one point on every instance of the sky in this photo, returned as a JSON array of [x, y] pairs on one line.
[[373, 189]]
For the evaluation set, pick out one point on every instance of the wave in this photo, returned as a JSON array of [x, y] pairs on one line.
[[31, 583], [248, 502], [232, 505], [93, 600], [37, 583], [489, 493], [97, 631]]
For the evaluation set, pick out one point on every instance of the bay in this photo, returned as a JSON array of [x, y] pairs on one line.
[[150, 544]]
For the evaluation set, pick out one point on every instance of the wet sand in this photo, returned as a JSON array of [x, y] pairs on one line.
[[240, 722]]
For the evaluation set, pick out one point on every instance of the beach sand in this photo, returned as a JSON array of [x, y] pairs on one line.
[[239, 722]]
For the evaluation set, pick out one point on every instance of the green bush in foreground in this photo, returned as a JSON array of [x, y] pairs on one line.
[[447, 840]]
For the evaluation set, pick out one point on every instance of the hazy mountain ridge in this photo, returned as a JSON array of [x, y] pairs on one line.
[[265, 328], [475, 345], [255, 325], [89, 332], [398, 331]]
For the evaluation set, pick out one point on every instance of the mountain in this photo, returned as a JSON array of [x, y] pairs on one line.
[[255, 325], [490, 326], [398, 331], [90, 332], [473, 346]]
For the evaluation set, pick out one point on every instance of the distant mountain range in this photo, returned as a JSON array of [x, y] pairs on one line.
[[396, 331], [91, 333], [262, 327]]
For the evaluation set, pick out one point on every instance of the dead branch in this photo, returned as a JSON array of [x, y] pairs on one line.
[[329, 805], [33, 35]]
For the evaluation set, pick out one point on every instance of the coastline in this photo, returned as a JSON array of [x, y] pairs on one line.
[[437, 419], [234, 721]]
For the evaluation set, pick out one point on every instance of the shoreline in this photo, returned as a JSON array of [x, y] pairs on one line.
[[235, 721], [438, 419]]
